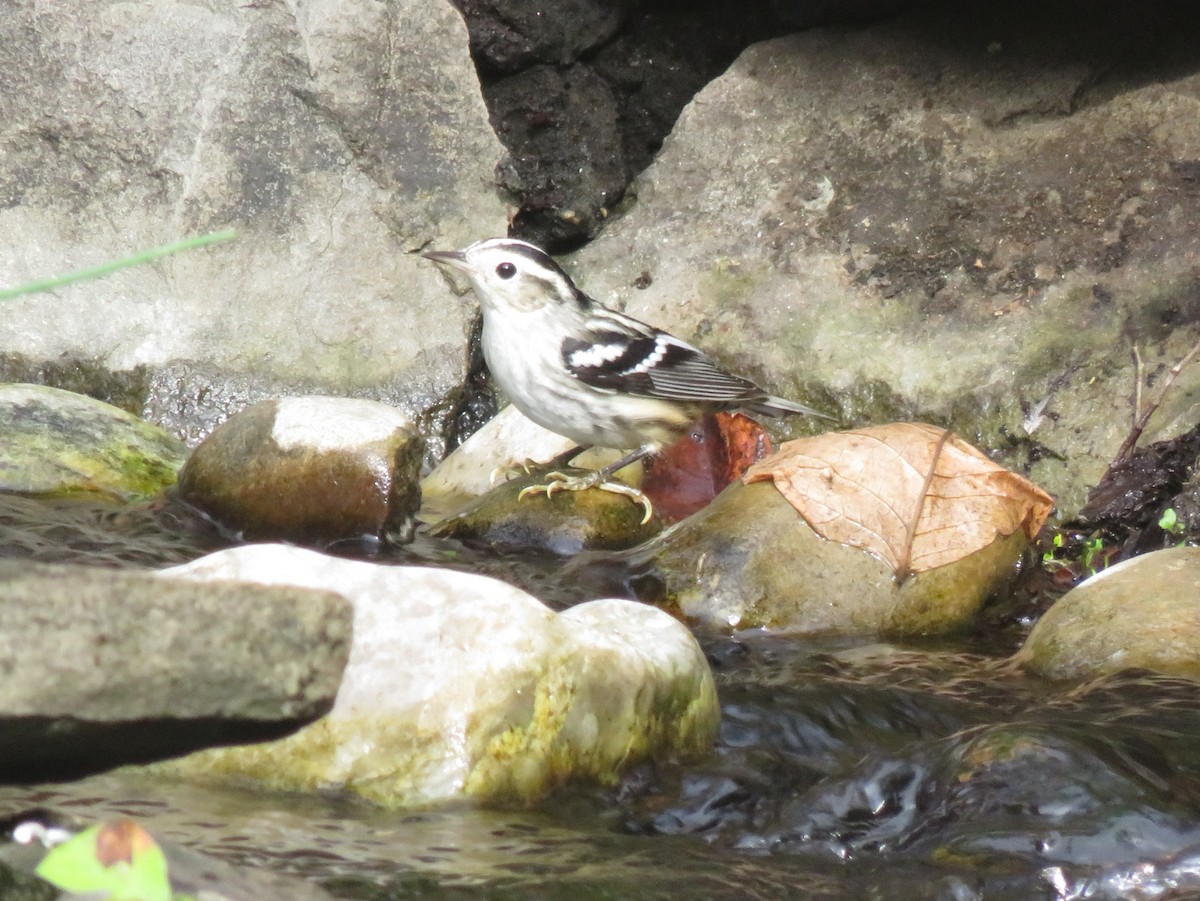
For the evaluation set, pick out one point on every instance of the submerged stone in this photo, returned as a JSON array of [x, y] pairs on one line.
[[462, 686], [61, 444], [1141, 613], [310, 469]]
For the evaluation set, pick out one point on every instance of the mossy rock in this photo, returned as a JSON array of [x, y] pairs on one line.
[[60, 444]]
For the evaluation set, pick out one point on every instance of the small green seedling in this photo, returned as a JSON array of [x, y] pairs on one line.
[[1093, 551], [1170, 522], [1077, 555], [1049, 558]]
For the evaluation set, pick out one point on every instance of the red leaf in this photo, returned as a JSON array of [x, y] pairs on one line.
[[694, 470]]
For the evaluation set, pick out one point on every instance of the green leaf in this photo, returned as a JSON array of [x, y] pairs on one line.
[[1169, 521], [119, 859]]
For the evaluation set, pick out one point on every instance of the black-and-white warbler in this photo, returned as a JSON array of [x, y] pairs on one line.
[[587, 372]]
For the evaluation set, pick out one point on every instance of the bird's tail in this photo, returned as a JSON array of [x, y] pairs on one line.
[[779, 406]]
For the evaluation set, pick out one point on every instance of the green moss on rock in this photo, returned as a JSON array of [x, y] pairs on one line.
[[60, 444]]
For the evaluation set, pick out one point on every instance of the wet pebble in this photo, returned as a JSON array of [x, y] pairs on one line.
[[313, 470]]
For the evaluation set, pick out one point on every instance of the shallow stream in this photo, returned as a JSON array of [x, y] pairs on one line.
[[843, 769]]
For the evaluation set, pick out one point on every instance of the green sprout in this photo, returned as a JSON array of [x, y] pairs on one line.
[[1093, 550], [1083, 556], [1170, 522], [1050, 558]]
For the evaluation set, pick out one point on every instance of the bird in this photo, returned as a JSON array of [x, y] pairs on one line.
[[588, 372]]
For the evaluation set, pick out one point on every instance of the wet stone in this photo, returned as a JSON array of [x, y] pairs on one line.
[[310, 469], [1142, 613], [502, 443], [565, 523], [748, 560]]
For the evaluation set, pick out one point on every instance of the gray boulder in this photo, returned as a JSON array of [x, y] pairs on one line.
[[336, 137], [104, 668]]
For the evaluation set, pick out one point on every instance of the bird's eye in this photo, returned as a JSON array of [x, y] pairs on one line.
[[506, 270]]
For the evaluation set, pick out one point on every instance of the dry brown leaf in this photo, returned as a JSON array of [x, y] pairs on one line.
[[120, 842], [912, 494]]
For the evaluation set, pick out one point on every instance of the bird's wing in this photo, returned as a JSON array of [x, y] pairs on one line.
[[618, 353]]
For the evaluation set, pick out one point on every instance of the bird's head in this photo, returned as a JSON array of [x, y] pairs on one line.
[[509, 273]]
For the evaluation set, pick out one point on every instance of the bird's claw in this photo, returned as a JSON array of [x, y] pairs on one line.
[[558, 481], [506, 471]]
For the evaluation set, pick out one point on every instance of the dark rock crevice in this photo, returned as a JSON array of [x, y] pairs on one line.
[[583, 94]]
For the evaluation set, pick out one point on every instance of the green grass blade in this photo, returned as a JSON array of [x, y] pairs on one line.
[[103, 269]]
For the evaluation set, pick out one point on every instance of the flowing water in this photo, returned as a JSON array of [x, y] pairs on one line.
[[843, 769]]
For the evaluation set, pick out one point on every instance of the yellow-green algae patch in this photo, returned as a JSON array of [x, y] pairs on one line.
[[567, 735], [587, 723], [61, 444]]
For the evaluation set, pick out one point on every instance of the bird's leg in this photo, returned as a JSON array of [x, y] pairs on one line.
[[565, 457], [600, 478]]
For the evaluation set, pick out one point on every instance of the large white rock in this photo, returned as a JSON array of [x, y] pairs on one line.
[[460, 685]]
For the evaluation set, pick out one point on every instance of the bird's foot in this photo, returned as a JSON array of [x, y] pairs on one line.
[[560, 481], [506, 471], [528, 467]]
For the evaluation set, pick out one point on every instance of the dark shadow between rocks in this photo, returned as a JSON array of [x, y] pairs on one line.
[[55, 749]]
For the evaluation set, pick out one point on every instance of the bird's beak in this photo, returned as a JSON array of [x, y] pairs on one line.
[[455, 259]]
